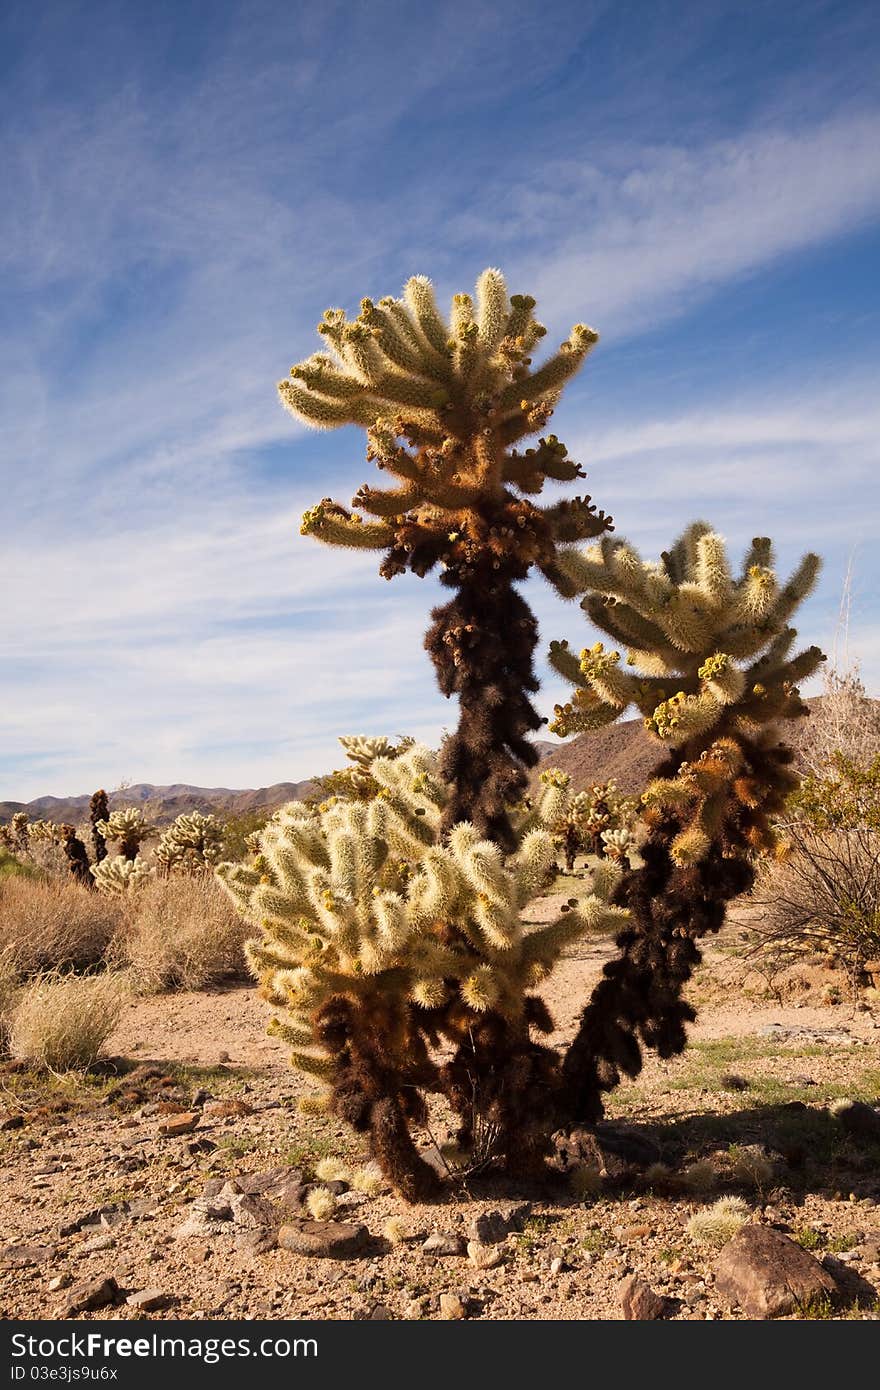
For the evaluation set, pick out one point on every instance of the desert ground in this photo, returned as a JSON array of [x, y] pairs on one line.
[[94, 1189]]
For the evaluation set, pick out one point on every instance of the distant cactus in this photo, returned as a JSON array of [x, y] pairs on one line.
[[380, 940], [579, 821], [77, 858], [129, 827], [709, 666], [193, 843], [444, 403], [20, 832], [99, 810], [116, 875]]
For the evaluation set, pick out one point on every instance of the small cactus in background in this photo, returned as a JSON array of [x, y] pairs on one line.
[[193, 843], [709, 666], [444, 404], [20, 832], [99, 810], [116, 875], [380, 941], [580, 821], [129, 827], [77, 858]]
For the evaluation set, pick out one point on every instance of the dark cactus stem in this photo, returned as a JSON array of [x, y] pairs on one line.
[[504, 1088], [367, 1094], [77, 858], [638, 1000], [99, 809], [482, 644]]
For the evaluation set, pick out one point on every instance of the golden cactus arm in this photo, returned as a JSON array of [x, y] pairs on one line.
[[419, 296], [555, 372], [326, 414], [334, 525], [799, 587], [574, 519], [493, 308], [630, 628], [390, 502]]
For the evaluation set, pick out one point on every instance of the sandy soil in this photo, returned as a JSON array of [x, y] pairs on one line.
[[759, 1073]]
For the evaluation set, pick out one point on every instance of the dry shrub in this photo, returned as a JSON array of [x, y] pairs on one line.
[[46, 925], [181, 933], [61, 1022]]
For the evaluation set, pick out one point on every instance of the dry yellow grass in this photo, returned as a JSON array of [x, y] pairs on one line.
[[46, 924], [180, 933], [61, 1022]]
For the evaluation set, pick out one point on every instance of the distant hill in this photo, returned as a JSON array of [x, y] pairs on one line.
[[623, 753], [165, 802]]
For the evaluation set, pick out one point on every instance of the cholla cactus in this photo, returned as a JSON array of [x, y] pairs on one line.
[[443, 404], [355, 781], [99, 810], [43, 832], [380, 940], [711, 671], [77, 858], [130, 827], [579, 821], [115, 875], [20, 827], [193, 843]]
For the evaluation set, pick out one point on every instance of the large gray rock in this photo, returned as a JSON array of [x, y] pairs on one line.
[[334, 1240], [768, 1274]]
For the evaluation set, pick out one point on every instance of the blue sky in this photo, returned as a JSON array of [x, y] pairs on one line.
[[189, 185]]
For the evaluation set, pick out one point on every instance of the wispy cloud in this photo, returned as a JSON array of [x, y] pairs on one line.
[[169, 243]]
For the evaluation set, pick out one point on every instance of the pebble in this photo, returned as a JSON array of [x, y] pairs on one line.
[[484, 1256], [148, 1300], [444, 1243]]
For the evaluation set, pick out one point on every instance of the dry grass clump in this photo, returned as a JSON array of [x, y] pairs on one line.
[[46, 925], [368, 1180], [396, 1230], [718, 1224], [181, 933], [61, 1022], [332, 1170]]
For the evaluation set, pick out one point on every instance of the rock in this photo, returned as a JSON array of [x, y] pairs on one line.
[[148, 1300], [252, 1213], [731, 1082], [347, 1201], [96, 1246], [256, 1242], [22, 1256], [491, 1227], [444, 1243], [858, 1119], [768, 1274], [86, 1297], [226, 1109], [143, 1206], [60, 1281], [639, 1302], [415, 1309], [484, 1256], [633, 1233], [182, 1122], [556, 1267], [451, 1307], [11, 1121], [335, 1240]]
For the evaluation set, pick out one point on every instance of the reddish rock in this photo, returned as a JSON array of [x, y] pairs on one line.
[[182, 1123], [639, 1302], [768, 1274], [86, 1297]]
